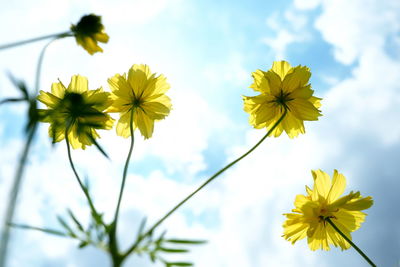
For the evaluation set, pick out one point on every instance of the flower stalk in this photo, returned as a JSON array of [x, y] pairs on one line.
[[209, 180], [23, 42], [114, 251], [83, 187], [350, 242]]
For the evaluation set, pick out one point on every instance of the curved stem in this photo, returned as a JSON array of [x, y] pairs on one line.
[[126, 167], [39, 65], [20, 170], [350, 242], [116, 257], [203, 185], [57, 35], [5, 234], [84, 189]]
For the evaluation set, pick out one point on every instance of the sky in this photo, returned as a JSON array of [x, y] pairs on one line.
[[208, 50]]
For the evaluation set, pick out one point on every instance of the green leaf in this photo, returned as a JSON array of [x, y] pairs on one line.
[[152, 256], [171, 264], [45, 230], [8, 100], [186, 241], [66, 226], [173, 250], [83, 244], [98, 218], [33, 115], [20, 85], [160, 239], [98, 146], [141, 227], [78, 224]]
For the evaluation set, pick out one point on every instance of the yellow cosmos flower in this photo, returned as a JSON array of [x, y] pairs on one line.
[[322, 202], [282, 87], [77, 109], [144, 92], [88, 32]]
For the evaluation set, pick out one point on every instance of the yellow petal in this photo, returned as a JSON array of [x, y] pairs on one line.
[[120, 87], [137, 78], [155, 110], [303, 109], [304, 92], [298, 78], [161, 86], [274, 82], [316, 101], [78, 84], [58, 89], [281, 68], [260, 83], [90, 45], [359, 204], [348, 221], [294, 232], [338, 186], [318, 239], [322, 184], [144, 123], [123, 125], [102, 37], [48, 99], [292, 126]]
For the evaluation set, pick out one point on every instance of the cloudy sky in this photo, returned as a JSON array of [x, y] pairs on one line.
[[207, 50]]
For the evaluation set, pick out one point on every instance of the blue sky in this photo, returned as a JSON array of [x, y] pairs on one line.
[[207, 51]]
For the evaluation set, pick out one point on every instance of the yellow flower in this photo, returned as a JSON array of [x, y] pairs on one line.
[[321, 202], [144, 92], [282, 87], [76, 108], [88, 32]]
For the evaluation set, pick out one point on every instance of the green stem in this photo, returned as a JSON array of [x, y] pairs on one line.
[[140, 238], [116, 257], [44, 230], [39, 65], [5, 235], [350, 242], [56, 36], [84, 189], [125, 168]]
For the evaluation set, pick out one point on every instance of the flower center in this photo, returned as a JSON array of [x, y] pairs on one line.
[[282, 98], [89, 25], [74, 104], [137, 102]]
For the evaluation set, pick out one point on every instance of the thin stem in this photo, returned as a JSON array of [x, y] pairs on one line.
[[203, 185], [84, 189], [39, 65], [350, 242], [57, 35], [44, 230], [116, 257], [126, 167], [5, 235]]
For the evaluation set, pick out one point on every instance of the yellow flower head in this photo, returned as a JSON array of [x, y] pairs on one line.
[[144, 92], [77, 109], [88, 32], [282, 87], [321, 202]]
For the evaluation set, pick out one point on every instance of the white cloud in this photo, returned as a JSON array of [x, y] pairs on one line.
[[306, 4], [353, 27], [289, 29]]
